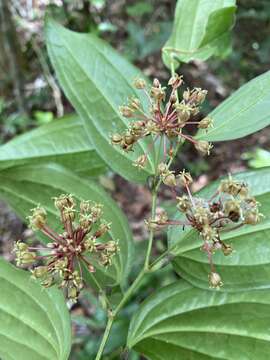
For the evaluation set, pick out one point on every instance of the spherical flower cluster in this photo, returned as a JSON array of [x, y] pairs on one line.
[[79, 243], [229, 208], [166, 120]]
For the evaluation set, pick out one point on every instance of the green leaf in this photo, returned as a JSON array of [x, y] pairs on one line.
[[182, 322], [97, 80], [258, 158], [26, 187], [246, 268], [63, 141], [244, 112], [34, 322], [200, 28]]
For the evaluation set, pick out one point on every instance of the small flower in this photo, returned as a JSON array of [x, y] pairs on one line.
[[203, 147], [139, 83], [205, 123], [184, 178], [169, 179], [140, 162], [183, 203], [38, 218], [214, 280]]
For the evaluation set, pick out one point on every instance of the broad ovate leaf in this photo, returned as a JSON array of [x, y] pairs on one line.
[[26, 187], [248, 267], [62, 141], [183, 322], [34, 322], [200, 30], [246, 111], [97, 80]]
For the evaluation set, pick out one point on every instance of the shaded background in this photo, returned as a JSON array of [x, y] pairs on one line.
[[30, 97]]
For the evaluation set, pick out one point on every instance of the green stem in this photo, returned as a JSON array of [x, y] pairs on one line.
[[147, 267], [105, 337]]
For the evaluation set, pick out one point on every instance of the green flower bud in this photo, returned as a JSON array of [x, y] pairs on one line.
[[227, 249], [116, 139], [140, 162], [72, 294], [205, 123], [252, 217], [139, 83], [185, 178], [183, 203], [126, 111], [169, 180], [38, 218], [162, 168], [40, 272], [201, 215], [203, 147]]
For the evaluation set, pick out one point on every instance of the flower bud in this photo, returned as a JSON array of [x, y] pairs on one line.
[[86, 221], [203, 147], [139, 83], [156, 83], [40, 272], [209, 233], [199, 95], [183, 203], [126, 111], [27, 258], [38, 218], [252, 217], [73, 294], [96, 212], [162, 168], [140, 162], [175, 80], [116, 139], [169, 180], [64, 200], [205, 123], [201, 215], [68, 213], [214, 280], [227, 249], [185, 178], [134, 103], [129, 139], [103, 228]]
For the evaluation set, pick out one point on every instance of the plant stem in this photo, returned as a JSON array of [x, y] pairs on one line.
[[146, 268], [105, 337]]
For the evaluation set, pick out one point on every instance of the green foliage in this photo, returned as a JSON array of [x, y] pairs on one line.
[[258, 158], [201, 29], [244, 112], [26, 187], [97, 85], [34, 323], [246, 268], [63, 141], [182, 322], [139, 9]]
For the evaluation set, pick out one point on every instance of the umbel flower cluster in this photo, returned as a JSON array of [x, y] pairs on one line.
[[79, 243], [229, 208], [166, 117]]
